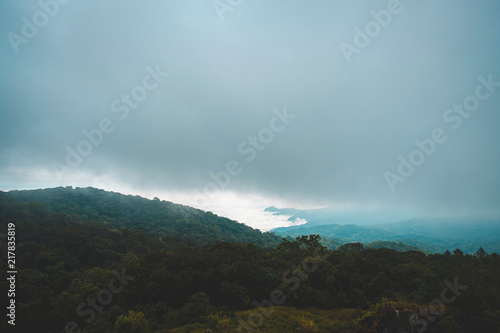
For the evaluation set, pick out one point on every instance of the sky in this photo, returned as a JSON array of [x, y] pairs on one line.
[[236, 105]]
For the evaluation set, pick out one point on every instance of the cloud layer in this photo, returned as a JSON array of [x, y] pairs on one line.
[[354, 113]]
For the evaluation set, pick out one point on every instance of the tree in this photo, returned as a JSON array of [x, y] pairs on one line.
[[311, 242], [37, 209], [352, 248], [288, 246], [481, 252], [448, 325], [133, 323], [458, 253]]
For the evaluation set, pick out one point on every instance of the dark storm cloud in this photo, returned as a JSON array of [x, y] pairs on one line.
[[353, 120]]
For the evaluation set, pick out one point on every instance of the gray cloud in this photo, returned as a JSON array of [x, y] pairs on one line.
[[226, 77]]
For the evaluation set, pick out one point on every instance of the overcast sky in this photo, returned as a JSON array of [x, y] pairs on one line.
[[299, 103]]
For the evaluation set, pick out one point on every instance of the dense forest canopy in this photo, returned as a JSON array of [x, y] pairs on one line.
[[115, 263], [156, 218]]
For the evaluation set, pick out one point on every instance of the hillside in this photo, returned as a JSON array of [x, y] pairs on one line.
[[85, 276], [430, 234], [348, 233], [156, 218]]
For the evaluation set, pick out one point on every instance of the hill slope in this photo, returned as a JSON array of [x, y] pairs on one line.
[[85, 276], [114, 210]]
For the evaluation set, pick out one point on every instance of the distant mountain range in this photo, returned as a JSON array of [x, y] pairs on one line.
[[332, 216], [428, 234], [182, 224]]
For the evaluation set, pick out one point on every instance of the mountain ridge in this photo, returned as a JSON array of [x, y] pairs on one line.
[[154, 217], [433, 234]]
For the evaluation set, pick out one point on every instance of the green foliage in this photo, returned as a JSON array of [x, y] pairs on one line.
[[449, 325], [289, 319], [352, 248], [175, 223], [397, 246], [430, 235], [307, 325], [481, 252], [181, 285], [134, 322]]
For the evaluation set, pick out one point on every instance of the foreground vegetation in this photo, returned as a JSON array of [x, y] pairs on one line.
[[83, 276]]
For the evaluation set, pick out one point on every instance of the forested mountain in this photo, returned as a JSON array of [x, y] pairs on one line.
[[76, 274], [467, 233], [430, 234], [156, 218]]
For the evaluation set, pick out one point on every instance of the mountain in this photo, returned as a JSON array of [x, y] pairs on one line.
[[348, 233], [487, 229], [156, 218], [285, 211], [466, 233], [80, 268], [432, 234], [329, 215], [396, 246]]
